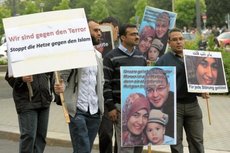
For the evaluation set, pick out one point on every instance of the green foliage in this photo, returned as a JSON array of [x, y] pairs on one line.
[[161, 4], [98, 10], [4, 13], [3, 62], [186, 12], [193, 44], [226, 61], [123, 10], [27, 7], [216, 11], [63, 5], [140, 8], [86, 4]]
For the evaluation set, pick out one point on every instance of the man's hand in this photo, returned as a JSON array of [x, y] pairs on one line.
[[28, 78], [59, 87], [205, 95], [113, 115]]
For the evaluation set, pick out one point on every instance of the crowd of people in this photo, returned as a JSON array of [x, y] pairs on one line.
[[93, 96]]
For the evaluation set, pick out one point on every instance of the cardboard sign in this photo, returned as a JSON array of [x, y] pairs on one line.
[[48, 41], [205, 72]]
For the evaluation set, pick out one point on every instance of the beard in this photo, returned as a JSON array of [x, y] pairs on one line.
[[95, 41]]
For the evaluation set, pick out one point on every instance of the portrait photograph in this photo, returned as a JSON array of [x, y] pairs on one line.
[[205, 71], [148, 106]]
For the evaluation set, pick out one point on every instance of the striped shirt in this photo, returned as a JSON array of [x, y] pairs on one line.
[[112, 62]]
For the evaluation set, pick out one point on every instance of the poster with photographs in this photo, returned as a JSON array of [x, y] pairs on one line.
[[107, 43], [153, 32], [205, 72], [148, 106]]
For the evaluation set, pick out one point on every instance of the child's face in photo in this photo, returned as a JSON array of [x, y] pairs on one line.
[[155, 133], [153, 54], [138, 121]]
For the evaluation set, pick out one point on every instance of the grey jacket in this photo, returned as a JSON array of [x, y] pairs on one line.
[[71, 78]]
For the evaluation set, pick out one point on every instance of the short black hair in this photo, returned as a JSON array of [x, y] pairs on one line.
[[124, 27], [173, 30], [111, 20]]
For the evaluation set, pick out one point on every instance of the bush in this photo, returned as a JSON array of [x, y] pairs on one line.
[[3, 62]]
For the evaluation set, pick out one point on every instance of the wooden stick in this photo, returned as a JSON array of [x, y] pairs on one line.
[[209, 116], [30, 90], [149, 148], [65, 111]]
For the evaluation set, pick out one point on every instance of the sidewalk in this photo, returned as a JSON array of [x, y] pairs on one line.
[[216, 135]]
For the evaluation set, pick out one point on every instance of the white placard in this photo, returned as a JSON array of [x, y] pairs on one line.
[[205, 72], [48, 41]]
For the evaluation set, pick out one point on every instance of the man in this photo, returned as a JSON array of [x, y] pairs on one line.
[[157, 89], [106, 128], [124, 55], [32, 97], [189, 114], [83, 91], [162, 28]]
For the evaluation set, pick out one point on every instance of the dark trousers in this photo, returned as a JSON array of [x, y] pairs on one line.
[[189, 117], [33, 126], [105, 134]]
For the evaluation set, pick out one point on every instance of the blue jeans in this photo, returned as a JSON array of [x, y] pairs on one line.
[[83, 129], [33, 126], [189, 117]]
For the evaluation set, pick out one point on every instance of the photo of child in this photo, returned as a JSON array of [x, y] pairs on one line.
[[155, 129]]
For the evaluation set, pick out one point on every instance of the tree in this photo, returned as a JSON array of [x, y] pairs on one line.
[[63, 5], [140, 8], [186, 12], [216, 11], [27, 7], [161, 4], [86, 4], [4, 13], [98, 10]]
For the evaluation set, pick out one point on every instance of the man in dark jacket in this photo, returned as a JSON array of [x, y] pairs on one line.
[[32, 97]]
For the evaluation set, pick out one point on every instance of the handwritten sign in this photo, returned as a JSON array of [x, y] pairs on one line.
[[48, 41]]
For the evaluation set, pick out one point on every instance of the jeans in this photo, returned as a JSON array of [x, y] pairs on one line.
[[189, 116], [33, 126], [83, 129]]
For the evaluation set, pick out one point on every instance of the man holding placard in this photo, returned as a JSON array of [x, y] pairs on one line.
[[32, 97], [83, 91], [189, 114]]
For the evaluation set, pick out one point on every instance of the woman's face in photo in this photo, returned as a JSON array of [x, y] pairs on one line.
[[207, 71], [145, 44], [137, 122]]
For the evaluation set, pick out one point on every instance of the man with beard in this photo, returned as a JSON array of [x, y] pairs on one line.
[[83, 91]]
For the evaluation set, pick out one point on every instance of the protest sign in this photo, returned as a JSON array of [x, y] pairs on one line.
[[205, 72], [48, 41], [107, 43], [153, 30], [139, 108]]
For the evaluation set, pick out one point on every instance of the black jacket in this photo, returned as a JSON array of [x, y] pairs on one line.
[[41, 87]]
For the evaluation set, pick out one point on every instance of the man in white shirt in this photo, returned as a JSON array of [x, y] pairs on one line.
[[83, 91]]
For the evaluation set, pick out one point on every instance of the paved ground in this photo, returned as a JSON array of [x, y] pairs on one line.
[[217, 135]]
